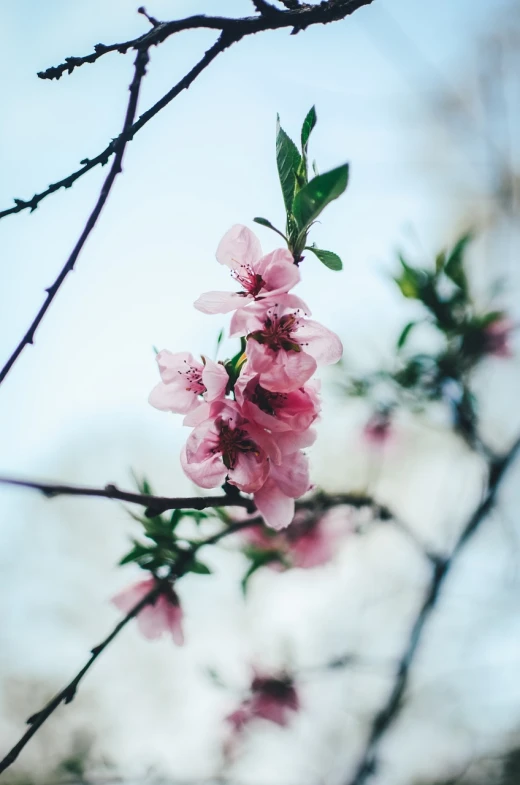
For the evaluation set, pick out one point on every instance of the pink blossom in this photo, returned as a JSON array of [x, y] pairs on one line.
[[378, 429], [272, 698], [287, 481], [497, 336], [184, 380], [259, 276], [306, 543], [164, 615], [277, 411], [226, 445], [283, 347]]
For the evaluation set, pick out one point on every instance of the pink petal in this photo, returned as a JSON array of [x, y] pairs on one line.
[[215, 379], [322, 344], [265, 441], [197, 415], [294, 441], [239, 246], [173, 398], [276, 508], [174, 622], [280, 371], [246, 320], [250, 472], [208, 473], [171, 363], [129, 597], [292, 476], [221, 302], [280, 273]]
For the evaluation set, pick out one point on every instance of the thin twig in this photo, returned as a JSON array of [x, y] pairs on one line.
[[119, 149], [155, 505], [233, 30], [391, 710], [66, 695]]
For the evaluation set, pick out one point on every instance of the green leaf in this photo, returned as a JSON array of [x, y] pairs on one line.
[[288, 161], [308, 125], [405, 332], [440, 261], [259, 558], [317, 194], [199, 568], [409, 281], [137, 552], [265, 222], [175, 517], [329, 259], [453, 267]]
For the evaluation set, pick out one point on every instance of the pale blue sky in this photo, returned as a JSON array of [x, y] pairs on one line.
[[204, 163]]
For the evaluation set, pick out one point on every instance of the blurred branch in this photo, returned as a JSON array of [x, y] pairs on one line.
[[67, 694], [119, 149], [391, 710], [232, 30]]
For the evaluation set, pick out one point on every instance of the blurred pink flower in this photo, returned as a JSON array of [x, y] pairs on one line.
[[164, 615], [184, 380], [305, 543], [272, 698], [259, 276], [378, 429], [284, 348], [497, 337]]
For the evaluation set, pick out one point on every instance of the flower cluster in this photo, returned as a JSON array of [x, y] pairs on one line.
[[252, 416], [271, 697]]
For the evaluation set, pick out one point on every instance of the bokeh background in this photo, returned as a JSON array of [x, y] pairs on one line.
[[423, 100]]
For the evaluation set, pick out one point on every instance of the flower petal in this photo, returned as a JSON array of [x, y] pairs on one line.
[[208, 473], [280, 371], [318, 341], [173, 398], [292, 476], [276, 508], [239, 246], [215, 379], [221, 302]]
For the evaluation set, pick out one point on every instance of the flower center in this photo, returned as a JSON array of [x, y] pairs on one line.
[[269, 402], [277, 333], [233, 441], [193, 379], [252, 282]]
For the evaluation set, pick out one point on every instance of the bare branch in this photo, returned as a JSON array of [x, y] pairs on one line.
[[155, 505], [391, 710], [233, 30], [66, 695], [316, 505], [119, 149]]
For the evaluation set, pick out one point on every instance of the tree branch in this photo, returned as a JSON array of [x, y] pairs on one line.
[[388, 714], [233, 30], [317, 504], [155, 505], [119, 149], [66, 695]]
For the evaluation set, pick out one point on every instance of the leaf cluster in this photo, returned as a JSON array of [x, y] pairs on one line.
[[162, 547], [304, 198]]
